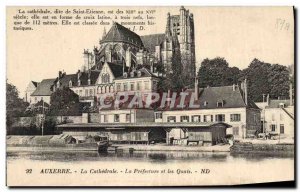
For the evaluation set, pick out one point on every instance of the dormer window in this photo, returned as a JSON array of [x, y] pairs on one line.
[[220, 104], [139, 73], [125, 75], [105, 78], [281, 105], [132, 74], [205, 103]]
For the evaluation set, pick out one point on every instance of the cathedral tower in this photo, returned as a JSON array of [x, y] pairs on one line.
[[182, 26]]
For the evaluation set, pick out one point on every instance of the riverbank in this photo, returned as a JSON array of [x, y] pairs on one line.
[[124, 148], [260, 147], [61, 143], [164, 147]]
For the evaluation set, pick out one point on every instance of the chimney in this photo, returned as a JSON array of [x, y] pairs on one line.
[[291, 94], [196, 88], [78, 74], [78, 77], [89, 78], [268, 99], [246, 92], [86, 58], [60, 74]]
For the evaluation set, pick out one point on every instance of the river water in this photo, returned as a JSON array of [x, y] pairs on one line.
[[223, 168]]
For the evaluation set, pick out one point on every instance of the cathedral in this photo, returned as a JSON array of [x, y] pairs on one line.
[[122, 57], [124, 47]]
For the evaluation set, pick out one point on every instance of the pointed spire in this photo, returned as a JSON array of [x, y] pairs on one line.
[[168, 30], [104, 33]]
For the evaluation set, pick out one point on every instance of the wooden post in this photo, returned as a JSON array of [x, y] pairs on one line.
[[167, 138]]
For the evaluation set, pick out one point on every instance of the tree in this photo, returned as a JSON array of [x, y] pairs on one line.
[[279, 81], [15, 106], [50, 125], [216, 72], [174, 78], [65, 102], [264, 78]]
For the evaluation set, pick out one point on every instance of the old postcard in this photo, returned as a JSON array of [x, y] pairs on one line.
[[149, 96]]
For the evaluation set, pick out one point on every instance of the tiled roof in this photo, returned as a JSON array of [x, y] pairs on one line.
[[84, 78], [144, 73], [232, 99], [44, 88], [65, 79], [116, 69], [275, 103], [119, 33], [210, 96], [150, 41]]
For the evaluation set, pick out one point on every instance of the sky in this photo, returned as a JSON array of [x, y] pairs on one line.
[[239, 34]]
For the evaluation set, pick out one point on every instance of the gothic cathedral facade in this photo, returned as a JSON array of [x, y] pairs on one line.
[[124, 47]]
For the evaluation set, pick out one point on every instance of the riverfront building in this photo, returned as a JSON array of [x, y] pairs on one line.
[[226, 104], [277, 116]]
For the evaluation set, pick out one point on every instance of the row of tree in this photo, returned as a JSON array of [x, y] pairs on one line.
[[262, 77], [63, 102]]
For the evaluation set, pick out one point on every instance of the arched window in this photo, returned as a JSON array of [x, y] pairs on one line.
[[117, 53], [111, 89], [105, 78]]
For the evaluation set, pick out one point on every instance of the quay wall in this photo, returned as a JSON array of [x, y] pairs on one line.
[[248, 147]]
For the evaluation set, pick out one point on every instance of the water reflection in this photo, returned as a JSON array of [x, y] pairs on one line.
[[259, 156], [153, 157]]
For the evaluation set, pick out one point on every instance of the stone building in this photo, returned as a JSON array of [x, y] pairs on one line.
[[43, 91], [122, 46], [226, 104], [125, 52], [31, 87], [277, 116]]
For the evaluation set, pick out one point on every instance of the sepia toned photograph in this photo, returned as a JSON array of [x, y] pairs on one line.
[[149, 96]]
